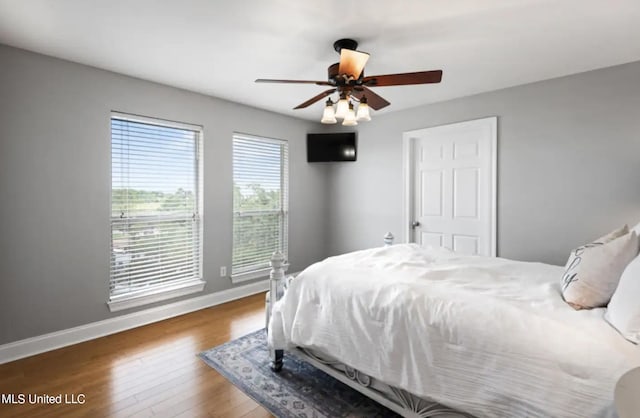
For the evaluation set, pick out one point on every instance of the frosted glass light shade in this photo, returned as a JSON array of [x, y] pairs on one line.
[[350, 117], [363, 112], [342, 108], [328, 115]]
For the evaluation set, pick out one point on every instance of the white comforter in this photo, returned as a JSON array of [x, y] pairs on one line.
[[487, 336]]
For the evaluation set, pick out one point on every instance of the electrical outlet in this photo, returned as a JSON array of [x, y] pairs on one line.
[[223, 271]]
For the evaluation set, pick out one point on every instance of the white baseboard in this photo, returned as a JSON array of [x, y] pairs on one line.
[[47, 342]]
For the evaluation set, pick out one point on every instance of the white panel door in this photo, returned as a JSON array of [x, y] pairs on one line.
[[453, 186]]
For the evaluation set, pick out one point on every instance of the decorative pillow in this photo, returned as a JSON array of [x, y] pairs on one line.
[[616, 233], [593, 270], [623, 312]]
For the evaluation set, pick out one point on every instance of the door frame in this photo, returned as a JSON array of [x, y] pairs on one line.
[[408, 167]]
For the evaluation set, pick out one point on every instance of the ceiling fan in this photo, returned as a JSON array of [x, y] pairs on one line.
[[348, 80]]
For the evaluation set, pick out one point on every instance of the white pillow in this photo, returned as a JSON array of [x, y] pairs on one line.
[[593, 270], [623, 312], [637, 229]]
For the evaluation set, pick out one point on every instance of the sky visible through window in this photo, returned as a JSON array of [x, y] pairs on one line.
[[152, 158], [157, 160]]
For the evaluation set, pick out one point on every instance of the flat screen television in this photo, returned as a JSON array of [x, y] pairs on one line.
[[331, 147]]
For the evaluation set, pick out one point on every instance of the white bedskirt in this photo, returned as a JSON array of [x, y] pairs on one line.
[[487, 336]]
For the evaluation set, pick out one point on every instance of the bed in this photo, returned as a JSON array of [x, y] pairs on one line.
[[427, 332]]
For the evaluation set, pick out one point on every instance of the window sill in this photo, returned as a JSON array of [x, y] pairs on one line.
[[250, 275], [119, 303], [253, 274]]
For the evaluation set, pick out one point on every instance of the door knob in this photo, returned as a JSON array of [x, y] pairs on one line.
[[415, 224]]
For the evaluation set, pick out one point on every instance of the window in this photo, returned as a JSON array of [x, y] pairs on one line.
[[156, 204], [260, 204]]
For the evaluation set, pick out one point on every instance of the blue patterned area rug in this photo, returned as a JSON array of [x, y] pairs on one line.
[[299, 390]]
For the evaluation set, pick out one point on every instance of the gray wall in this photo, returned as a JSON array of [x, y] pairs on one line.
[[568, 164], [55, 185], [569, 170]]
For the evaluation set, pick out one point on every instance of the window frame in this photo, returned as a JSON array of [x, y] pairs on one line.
[[138, 298], [256, 272]]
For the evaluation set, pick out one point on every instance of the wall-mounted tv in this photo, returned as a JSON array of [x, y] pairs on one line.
[[331, 147]]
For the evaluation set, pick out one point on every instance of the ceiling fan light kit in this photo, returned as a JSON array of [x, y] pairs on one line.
[[347, 79], [345, 110]]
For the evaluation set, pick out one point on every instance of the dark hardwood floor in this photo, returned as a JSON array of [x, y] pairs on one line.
[[148, 371]]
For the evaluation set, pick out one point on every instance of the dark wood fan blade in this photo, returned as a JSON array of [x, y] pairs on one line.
[[270, 80], [403, 79], [375, 101], [315, 99]]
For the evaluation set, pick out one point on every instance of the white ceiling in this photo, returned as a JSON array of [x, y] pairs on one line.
[[220, 47]]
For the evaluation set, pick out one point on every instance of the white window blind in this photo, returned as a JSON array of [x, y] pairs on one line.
[[156, 201], [260, 204]]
